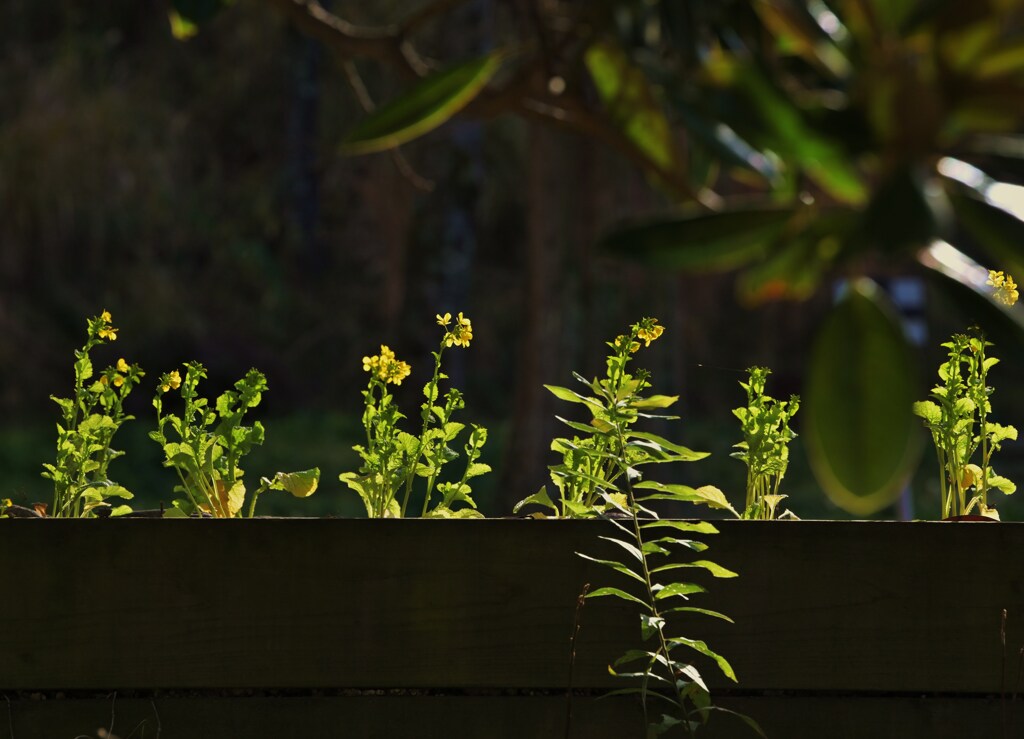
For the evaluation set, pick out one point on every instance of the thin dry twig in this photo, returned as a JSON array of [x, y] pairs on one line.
[[580, 602]]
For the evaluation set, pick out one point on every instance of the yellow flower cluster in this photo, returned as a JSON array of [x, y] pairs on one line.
[[648, 330], [171, 381], [1005, 290], [386, 366], [458, 335], [107, 331]]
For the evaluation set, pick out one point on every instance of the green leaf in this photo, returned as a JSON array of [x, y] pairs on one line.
[[789, 133], [701, 241], [682, 451], [631, 103], [617, 593], [539, 498], [680, 589], [696, 527], [861, 436], [656, 401], [430, 103], [715, 569], [564, 393], [699, 646], [300, 484], [617, 566]]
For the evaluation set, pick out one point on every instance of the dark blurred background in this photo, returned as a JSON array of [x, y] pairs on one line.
[[194, 188]]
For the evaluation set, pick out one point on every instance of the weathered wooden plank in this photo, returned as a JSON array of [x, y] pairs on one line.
[[303, 603], [496, 717]]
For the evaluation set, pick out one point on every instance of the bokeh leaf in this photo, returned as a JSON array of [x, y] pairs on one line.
[[701, 241], [861, 436], [430, 103], [631, 103]]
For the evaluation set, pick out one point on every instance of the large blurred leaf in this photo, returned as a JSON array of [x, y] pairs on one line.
[[431, 102], [702, 241], [794, 267], [786, 130], [999, 233], [796, 33], [862, 439], [724, 142], [631, 103], [898, 217]]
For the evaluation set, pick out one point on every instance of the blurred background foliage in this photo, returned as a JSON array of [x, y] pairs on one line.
[[203, 170]]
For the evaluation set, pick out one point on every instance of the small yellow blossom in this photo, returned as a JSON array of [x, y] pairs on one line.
[[461, 334], [107, 331], [648, 330], [386, 366], [172, 381], [103, 380], [444, 320], [620, 343], [118, 380], [1005, 290], [122, 366]]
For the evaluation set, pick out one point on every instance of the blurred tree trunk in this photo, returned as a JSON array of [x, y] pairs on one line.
[[306, 56], [526, 453]]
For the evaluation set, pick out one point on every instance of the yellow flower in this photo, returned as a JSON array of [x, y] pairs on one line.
[[122, 366], [444, 320], [103, 380], [1005, 290], [106, 331], [461, 334], [172, 381], [386, 367], [648, 330], [118, 380]]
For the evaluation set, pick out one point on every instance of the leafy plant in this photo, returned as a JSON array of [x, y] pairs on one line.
[[211, 443], [590, 477], [90, 419], [765, 445], [961, 402], [393, 459], [600, 475]]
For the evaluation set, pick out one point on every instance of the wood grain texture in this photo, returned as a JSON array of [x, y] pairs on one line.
[[496, 717], [306, 603]]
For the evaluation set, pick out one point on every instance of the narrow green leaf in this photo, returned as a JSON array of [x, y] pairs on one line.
[[617, 566], [617, 593], [715, 569], [702, 648], [430, 103]]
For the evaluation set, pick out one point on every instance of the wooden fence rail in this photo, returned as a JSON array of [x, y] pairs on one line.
[[296, 627]]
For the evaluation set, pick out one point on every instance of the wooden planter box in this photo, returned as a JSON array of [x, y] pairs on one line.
[[419, 628]]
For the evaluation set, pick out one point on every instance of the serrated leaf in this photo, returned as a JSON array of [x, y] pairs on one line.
[[430, 103]]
